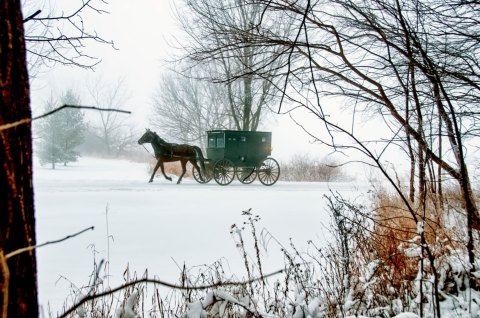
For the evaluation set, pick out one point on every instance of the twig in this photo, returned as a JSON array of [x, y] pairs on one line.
[[291, 53], [163, 283], [29, 120], [30, 248], [32, 16], [15, 124], [97, 275], [5, 283], [82, 107]]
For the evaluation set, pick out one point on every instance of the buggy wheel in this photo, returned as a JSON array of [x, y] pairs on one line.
[[224, 172], [196, 175], [246, 175], [269, 171]]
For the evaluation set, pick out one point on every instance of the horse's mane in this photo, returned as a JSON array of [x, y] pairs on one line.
[[160, 138]]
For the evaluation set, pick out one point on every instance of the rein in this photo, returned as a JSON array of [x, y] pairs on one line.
[[143, 145]]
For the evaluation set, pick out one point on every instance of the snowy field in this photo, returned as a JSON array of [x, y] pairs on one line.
[[160, 226]]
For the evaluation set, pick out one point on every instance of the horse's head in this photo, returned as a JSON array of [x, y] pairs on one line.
[[147, 137]]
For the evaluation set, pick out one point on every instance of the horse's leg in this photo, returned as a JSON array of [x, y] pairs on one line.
[[184, 169], [195, 164], [159, 162], [163, 171]]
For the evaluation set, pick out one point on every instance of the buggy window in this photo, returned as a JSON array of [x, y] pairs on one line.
[[211, 142], [264, 139], [243, 138], [220, 142]]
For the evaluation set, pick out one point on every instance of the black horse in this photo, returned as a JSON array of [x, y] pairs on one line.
[[167, 152]]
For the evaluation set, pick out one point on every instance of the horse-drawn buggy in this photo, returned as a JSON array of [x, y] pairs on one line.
[[230, 154], [244, 154]]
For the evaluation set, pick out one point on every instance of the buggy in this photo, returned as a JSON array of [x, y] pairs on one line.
[[244, 154]]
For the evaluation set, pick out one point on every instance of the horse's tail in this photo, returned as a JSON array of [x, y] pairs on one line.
[[200, 159]]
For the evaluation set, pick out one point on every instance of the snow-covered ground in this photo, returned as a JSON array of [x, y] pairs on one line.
[[160, 226]]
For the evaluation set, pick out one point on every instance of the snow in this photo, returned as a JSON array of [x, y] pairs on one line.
[[160, 226], [127, 310]]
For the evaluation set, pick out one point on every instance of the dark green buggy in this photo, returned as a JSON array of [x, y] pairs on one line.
[[244, 154]]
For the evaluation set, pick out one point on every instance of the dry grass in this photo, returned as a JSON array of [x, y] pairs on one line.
[[395, 229], [303, 167], [396, 237], [171, 168]]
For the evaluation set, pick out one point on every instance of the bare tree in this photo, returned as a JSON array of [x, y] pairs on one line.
[[110, 128], [232, 61], [18, 273], [60, 36], [185, 108], [384, 62], [411, 64]]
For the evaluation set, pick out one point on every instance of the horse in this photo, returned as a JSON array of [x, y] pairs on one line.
[[168, 152]]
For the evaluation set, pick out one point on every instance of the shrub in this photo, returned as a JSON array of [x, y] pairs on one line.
[[303, 167]]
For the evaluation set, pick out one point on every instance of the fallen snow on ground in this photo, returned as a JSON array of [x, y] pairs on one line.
[[160, 226]]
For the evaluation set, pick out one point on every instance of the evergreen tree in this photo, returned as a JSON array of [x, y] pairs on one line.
[[74, 128], [48, 131], [61, 132]]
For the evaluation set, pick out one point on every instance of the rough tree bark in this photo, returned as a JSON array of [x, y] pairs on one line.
[[18, 278]]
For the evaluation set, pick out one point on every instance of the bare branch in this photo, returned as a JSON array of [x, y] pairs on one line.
[[5, 282], [29, 120], [82, 107], [62, 38], [165, 284], [30, 248], [32, 16]]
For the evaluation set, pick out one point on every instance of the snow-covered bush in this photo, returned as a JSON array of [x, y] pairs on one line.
[[127, 303]]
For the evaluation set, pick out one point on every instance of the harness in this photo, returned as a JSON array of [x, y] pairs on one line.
[[159, 145]]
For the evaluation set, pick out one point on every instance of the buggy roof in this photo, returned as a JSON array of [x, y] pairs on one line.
[[216, 131]]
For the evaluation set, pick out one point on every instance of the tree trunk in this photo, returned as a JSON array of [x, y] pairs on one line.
[[439, 169], [18, 274], [411, 188], [422, 180], [247, 106]]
